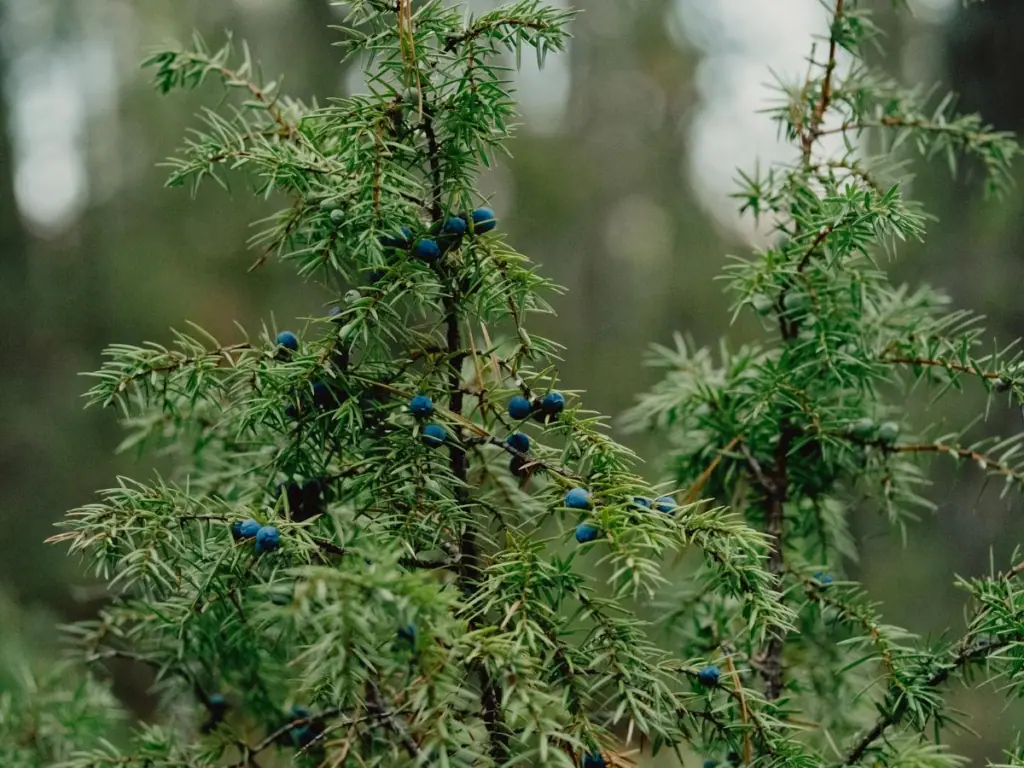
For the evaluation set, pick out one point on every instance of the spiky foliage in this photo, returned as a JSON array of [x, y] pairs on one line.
[[797, 431], [48, 706], [427, 603]]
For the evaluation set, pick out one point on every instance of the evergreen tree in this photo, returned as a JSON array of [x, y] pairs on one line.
[[379, 540]]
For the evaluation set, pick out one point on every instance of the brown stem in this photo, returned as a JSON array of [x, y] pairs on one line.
[[814, 130], [985, 461], [967, 651], [771, 654], [469, 548], [938, 363]]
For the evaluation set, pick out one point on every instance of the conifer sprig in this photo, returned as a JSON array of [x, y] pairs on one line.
[[361, 524], [799, 427], [390, 539]]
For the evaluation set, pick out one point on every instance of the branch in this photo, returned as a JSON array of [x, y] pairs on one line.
[[967, 652], [940, 363], [983, 460], [814, 130], [487, 26]]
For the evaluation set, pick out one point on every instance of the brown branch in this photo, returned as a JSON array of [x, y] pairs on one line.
[[985, 461], [469, 567], [698, 486], [179, 361], [471, 33], [260, 95], [939, 363], [814, 130], [967, 652], [903, 122], [770, 657]]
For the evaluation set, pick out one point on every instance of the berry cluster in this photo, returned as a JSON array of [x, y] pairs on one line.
[[442, 237], [866, 429], [267, 537], [580, 498], [433, 435], [543, 409]]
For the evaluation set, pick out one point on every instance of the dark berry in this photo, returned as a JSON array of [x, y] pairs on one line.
[[236, 530], [709, 675], [519, 407], [401, 239], [312, 500], [455, 225], [291, 413], [577, 498], [288, 340], [519, 442], [217, 707], [434, 435], [665, 504], [427, 250], [517, 466], [1003, 385], [407, 633], [709, 763], [641, 502], [305, 734], [324, 397], [249, 528], [888, 431], [291, 492], [483, 220], [549, 406], [268, 538], [421, 406], [823, 578], [594, 760], [587, 532]]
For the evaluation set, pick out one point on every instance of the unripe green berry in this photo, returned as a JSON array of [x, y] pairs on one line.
[[337, 216], [888, 432], [863, 428], [762, 303], [796, 301]]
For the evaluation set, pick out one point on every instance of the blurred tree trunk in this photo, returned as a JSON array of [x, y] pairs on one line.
[[12, 232], [985, 61]]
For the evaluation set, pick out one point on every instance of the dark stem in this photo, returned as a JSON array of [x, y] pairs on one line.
[[965, 656], [967, 652], [771, 655], [469, 549]]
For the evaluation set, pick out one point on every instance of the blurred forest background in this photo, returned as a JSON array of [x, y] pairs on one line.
[[618, 187]]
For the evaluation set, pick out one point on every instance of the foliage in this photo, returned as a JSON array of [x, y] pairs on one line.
[[432, 600], [47, 707], [801, 430]]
